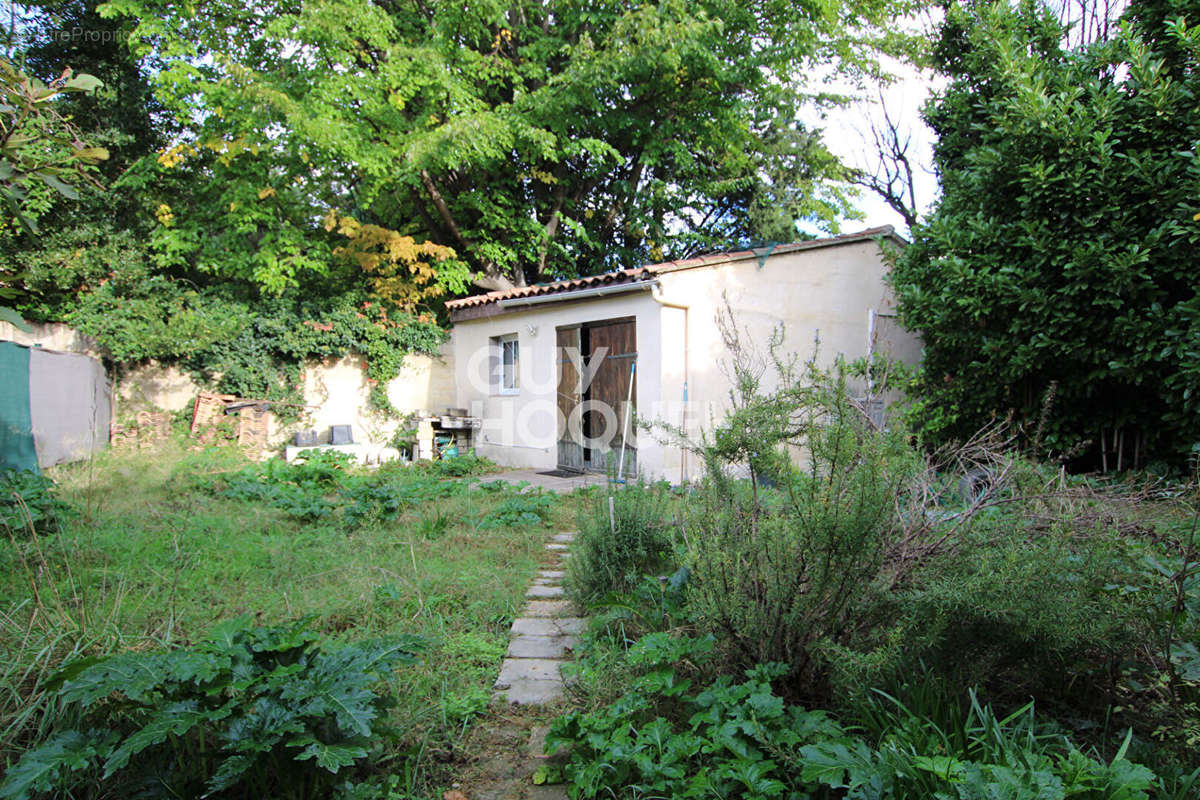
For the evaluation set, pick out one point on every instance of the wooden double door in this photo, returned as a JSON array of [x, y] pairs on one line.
[[597, 395]]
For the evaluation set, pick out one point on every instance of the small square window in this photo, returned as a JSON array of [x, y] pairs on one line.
[[508, 368]]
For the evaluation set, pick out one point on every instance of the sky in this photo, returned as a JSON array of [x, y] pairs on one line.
[[848, 135], [847, 130]]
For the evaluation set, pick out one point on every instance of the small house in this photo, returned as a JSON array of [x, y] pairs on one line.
[[557, 373]]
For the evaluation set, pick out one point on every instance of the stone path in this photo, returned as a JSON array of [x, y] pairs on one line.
[[542, 640], [543, 637]]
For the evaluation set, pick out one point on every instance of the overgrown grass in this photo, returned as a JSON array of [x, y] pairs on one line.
[[846, 561], [624, 534], [157, 554]]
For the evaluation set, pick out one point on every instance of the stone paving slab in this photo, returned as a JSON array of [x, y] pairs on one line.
[[543, 626], [528, 669], [537, 741], [541, 647], [533, 692], [549, 608], [542, 638], [544, 591]]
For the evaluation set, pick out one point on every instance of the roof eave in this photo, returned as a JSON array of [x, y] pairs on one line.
[[514, 305]]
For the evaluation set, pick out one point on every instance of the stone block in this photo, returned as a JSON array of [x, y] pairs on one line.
[[549, 608], [528, 669], [541, 647], [547, 626], [533, 693]]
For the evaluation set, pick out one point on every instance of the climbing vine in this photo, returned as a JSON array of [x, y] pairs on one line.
[[253, 350]]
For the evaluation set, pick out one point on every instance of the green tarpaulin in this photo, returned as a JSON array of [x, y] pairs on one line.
[[17, 450]]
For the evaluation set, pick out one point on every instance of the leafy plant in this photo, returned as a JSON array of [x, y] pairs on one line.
[[29, 501], [464, 465], [619, 544], [667, 738], [266, 710], [324, 484], [520, 509], [37, 144]]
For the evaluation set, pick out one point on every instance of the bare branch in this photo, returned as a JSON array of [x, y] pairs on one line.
[[892, 175]]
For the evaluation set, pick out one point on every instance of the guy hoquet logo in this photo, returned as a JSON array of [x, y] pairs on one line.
[[539, 418]]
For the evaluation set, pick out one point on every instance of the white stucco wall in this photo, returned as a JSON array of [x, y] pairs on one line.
[[828, 292], [52, 336], [338, 392], [521, 430], [154, 387], [825, 293]]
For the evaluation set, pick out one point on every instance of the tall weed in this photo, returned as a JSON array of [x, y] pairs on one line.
[[624, 534], [820, 541], [793, 534]]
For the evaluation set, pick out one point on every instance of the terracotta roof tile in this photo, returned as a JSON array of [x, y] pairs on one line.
[[648, 272], [620, 276]]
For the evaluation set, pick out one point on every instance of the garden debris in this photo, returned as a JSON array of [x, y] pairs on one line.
[[149, 429], [211, 426]]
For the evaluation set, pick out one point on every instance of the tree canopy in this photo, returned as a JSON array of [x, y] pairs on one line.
[[290, 179], [1061, 257], [535, 139]]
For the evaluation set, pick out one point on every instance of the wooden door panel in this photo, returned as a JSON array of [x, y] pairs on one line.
[[611, 386], [570, 395]]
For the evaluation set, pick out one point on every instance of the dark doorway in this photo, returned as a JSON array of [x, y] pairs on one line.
[[597, 395]]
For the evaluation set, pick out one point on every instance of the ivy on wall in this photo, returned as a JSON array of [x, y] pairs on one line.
[[251, 349]]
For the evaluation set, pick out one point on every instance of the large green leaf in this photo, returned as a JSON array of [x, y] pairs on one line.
[[13, 318]]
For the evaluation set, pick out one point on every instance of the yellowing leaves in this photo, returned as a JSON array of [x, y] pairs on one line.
[[92, 154], [403, 270], [226, 151], [164, 215], [502, 38], [265, 192], [174, 156]]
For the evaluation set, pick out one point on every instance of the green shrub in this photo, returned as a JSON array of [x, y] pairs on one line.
[[794, 556], [326, 484], [520, 509], [667, 738], [250, 711], [29, 502], [464, 465], [1040, 614], [612, 552]]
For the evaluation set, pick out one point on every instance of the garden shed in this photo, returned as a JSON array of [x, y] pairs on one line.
[[559, 372]]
